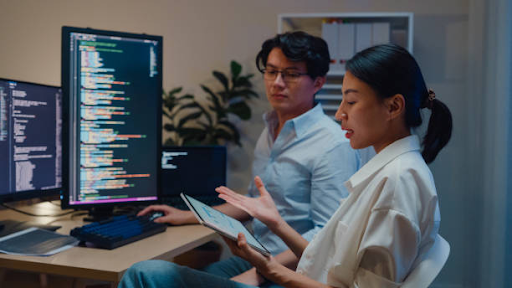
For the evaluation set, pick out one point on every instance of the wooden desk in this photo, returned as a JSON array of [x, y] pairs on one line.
[[101, 264]]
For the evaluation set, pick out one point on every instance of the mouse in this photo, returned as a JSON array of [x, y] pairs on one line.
[[155, 215]]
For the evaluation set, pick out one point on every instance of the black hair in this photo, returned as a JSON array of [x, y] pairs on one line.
[[298, 47], [390, 69]]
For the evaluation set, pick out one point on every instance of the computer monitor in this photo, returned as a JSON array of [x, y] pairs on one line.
[[194, 170], [30, 140], [112, 91]]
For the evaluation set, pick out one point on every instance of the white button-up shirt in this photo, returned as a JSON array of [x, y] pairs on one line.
[[384, 228]]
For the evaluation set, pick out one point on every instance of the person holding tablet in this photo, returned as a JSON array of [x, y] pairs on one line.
[[388, 223], [302, 155], [391, 217]]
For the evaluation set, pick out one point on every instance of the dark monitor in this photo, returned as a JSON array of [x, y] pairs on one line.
[[194, 170], [112, 91], [30, 140]]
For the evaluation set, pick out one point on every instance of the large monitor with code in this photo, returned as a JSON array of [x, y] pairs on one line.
[[112, 87], [30, 140]]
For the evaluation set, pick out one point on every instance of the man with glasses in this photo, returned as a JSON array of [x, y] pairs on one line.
[[301, 156]]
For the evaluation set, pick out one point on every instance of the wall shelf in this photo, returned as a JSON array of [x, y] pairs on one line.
[[400, 29]]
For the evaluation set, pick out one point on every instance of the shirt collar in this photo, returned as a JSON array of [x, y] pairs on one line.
[[300, 124], [390, 152]]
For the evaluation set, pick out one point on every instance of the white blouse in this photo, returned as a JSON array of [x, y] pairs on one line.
[[384, 228]]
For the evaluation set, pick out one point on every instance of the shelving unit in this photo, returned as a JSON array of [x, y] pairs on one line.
[[401, 33]]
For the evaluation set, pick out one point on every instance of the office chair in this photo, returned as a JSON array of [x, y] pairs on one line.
[[428, 269]]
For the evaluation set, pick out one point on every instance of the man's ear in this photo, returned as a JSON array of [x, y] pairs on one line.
[[318, 83], [395, 106]]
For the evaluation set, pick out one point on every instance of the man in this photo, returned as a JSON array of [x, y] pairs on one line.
[[302, 156]]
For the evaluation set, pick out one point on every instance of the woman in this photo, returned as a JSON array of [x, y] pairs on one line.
[[391, 217]]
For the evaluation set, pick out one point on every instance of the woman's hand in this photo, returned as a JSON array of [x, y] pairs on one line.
[[241, 249], [262, 208]]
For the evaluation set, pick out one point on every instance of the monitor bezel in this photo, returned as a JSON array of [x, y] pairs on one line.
[[65, 64], [36, 193]]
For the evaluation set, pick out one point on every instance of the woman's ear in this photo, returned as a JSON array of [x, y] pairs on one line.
[[395, 106]]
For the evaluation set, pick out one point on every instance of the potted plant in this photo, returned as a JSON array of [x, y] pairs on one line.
[[193, 124]]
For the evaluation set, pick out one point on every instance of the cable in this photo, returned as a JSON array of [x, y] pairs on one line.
[[31, 214], [51, 202], [73, 214]]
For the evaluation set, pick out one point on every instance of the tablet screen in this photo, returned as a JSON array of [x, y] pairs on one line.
[[222, 223]]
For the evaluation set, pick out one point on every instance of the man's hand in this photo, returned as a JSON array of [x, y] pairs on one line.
[[262, 208], [171, 215]]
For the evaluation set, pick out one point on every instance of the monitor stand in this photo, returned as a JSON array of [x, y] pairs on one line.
[[99, 214]]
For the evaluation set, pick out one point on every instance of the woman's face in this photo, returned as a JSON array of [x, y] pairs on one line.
[[363, 115]]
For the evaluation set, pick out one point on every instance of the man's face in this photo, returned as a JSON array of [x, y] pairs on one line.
[[290, 96]]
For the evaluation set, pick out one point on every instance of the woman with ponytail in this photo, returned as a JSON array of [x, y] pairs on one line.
[[389, 221], [391, 218]]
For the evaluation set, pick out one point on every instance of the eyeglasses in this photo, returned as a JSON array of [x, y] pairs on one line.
[[287, 76]]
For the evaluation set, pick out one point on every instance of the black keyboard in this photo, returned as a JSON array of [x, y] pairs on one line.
[[117, 231]]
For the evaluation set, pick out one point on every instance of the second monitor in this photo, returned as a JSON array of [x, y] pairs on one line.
[[194, 170]]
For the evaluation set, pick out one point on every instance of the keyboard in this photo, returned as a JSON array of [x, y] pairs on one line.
[[117, 231]]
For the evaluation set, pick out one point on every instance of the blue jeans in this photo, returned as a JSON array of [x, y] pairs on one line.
[[159, 274], [234, 266]]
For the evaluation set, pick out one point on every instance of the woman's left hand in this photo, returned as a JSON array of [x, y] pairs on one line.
[[241, 249]]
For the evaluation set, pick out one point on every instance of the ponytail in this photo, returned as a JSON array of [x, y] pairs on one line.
[[439, 130]]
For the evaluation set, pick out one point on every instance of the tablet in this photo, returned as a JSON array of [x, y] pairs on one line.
[[222, 223]]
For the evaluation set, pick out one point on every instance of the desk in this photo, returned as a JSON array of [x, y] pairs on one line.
[[101, 264]]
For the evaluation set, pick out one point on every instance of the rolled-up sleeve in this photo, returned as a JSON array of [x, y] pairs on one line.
[[333, 168], [388, 248]]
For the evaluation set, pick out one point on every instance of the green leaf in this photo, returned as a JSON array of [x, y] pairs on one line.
[[186, 96], [209, 91], [175, 91], [169, 102], [222, 134], [205, 113], [229, 126], [166, 114], [218, 109], [189, 117], [222, 78], [189, 132], [241, 109], [236, 68], [205, 126], [225, 95], [190, 105], [169, 127], [242, 82]]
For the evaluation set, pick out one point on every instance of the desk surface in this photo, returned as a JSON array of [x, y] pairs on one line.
[[100, 264]]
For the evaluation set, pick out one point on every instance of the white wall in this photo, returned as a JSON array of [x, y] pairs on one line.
[[200, 36]]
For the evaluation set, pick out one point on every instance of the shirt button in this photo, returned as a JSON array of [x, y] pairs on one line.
[[309, 256], [300, 271]]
